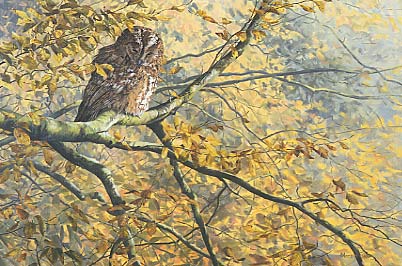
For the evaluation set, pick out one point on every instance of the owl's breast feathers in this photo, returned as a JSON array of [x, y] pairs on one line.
[[129, 86]]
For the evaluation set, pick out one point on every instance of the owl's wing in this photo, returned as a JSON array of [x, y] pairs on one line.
[[95, 88], [97, 92]]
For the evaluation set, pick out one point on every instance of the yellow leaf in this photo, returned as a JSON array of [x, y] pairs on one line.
[[6, 85], [201, 13], [322, 152], [174, 94], [383, 89], [52, 85], [258, 34], [21, 136], [23, 17], [48, 156], [126, 145], [339, 184], [209, 19], [69, 167], [228, 252], [35, 118], [225, 35], [88, 69], [23, 41], [22, 214], [43, 55], [163, 18], [361, 194], [22, 14], [225, 21], [273, 10], [150, 228], [320, 5], [175, 69], [117, 135], [58, 33], [352, 198], [107, 66], [28, 62], [235, 53], [343, 145], [100, 71], [296, 259], [307, 8], [178, 8], [6, 47], [4, 176], [242, 35], [177, 121], [164, 152], [134, 2], [130, 24]]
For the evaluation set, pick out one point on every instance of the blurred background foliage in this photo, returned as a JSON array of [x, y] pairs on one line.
[[312, 110]]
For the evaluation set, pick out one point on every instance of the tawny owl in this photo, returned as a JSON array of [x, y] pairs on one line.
[[136, 57]]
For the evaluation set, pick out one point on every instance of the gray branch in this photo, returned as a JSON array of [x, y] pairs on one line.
[[61, 179], [91, 165]]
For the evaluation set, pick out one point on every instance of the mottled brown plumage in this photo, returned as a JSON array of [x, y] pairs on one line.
[[136, 58]]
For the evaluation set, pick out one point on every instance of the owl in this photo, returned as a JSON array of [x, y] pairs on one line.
[[136, 57]]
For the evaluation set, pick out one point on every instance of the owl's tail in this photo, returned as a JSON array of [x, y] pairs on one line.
[[83, 115]]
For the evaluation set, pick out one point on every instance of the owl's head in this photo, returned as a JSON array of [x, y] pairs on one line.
[[142, 46]]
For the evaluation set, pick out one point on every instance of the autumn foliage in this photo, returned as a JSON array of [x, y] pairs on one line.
[[274, 137]]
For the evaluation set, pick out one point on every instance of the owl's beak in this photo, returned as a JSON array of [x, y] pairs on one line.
[[140, 62]]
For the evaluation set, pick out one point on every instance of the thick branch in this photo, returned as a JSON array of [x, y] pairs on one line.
[[53, 130], [91, 165]]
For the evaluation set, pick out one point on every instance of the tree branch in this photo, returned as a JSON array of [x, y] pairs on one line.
[[61, 179], [185, 188], [91, 165], [175, 233], [237, 180], [52, 130]]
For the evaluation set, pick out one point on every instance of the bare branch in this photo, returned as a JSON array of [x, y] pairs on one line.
[[324, 90], [175, 233], [193, 55], [61, 179]]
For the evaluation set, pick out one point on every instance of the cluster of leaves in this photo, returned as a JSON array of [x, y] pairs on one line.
[[250, 127]]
